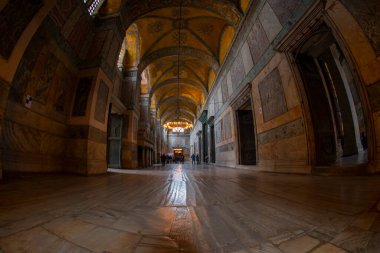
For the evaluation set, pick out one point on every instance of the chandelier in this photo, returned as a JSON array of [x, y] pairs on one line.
[[178, 126]]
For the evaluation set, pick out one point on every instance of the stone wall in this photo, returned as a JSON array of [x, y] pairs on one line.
[[34, 127], [284, 142], [60, 74]]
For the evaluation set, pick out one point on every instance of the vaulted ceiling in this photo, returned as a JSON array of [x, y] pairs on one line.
[[181, 44]]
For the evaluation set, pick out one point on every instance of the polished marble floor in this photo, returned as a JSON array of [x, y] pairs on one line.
[[184, 208]]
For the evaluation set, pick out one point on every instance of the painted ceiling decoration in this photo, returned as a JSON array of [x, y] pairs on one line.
[[225, 8], [181, 44]]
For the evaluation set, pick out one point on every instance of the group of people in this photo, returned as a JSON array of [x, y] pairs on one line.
[[194, 158], [168, 159]]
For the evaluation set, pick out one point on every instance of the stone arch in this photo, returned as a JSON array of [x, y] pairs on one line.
[[182, 81], [229, 10], [171, 99], [211, 61], [167, 113]]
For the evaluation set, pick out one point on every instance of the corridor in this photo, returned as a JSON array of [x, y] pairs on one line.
[[185, 208]]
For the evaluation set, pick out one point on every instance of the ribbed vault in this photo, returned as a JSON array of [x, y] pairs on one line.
[[182, 44]]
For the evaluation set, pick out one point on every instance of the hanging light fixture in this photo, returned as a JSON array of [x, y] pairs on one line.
[[178, 56], [178, 126]]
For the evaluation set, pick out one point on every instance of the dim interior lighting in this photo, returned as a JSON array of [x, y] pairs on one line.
[[178, 126]]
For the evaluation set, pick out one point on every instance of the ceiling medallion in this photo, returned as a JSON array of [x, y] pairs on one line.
[[180, 23], [180, 74], [179, 37]]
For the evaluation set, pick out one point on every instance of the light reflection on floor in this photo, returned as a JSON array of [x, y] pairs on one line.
[[185, 208]]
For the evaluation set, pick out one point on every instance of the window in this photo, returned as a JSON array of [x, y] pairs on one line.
[[93, 5]]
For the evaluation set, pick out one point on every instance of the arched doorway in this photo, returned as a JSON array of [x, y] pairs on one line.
[[335, 107]]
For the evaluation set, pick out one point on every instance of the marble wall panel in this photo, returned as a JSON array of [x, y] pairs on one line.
[[81, 96], [52, 145], [367, 14], [86, 132], [42, 75], [14, 18], [25, 68], [247, 58], [237, 71], [219, 98], [227, 158], [272, 96], [229, 84], [44, 68], [257, 41], [286, 131], [101, 103], [270, 22], [224, 90], [17, 137], [218, 131], [284, 9], [290, 150], [227, 126], [226, 148], [62, 91]]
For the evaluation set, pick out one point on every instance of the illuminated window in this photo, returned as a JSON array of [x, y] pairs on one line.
[[93, 5], [178, 130]]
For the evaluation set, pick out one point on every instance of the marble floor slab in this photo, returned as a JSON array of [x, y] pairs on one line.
[[185, 208]]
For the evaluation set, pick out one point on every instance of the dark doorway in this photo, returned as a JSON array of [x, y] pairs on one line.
[[205, 144], [335, 107], [178, 155], [115, 127], [199, 144], [212, 143], [246, 135], [140, 151]]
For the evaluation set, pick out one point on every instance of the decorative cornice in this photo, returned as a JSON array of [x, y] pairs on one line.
[[311, 19], [242, 98]]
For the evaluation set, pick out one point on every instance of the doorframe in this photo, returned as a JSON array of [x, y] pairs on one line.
[[308, 24], [109, 128], [244, 96]]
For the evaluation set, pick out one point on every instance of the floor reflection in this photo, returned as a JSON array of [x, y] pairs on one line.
[[185, 208]]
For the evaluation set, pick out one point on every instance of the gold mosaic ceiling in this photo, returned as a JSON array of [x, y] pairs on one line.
[[181, 45]]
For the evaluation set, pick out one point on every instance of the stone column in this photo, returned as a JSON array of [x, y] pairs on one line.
[[129, 159], [144, 128], [87, 129], [4, 91], [211, 139]]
